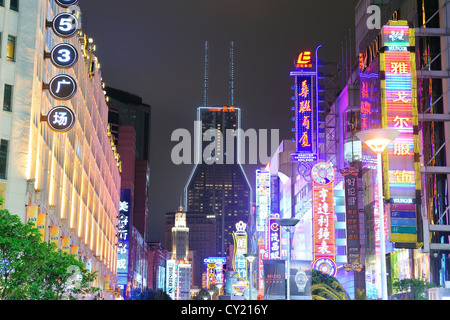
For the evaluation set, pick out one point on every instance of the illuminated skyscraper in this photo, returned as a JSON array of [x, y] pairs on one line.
[[220, 190]]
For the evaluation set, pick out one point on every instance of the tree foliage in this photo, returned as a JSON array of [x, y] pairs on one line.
[[414, 288], [34, 270], [150, 294], [203, 294], [325, 287]]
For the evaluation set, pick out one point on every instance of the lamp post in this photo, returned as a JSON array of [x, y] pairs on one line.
[[250, 258], [378, 140], [288, 223], [231, 274]]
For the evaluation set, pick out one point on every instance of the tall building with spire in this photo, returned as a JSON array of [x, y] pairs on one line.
[[180, 236], [219, 190]]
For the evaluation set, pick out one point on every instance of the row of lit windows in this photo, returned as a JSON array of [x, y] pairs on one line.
[[10, 56]]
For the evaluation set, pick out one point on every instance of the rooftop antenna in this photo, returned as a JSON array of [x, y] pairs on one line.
[[231, 73], [205, 93]]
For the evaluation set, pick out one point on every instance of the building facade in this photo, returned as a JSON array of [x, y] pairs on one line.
[[217, 187], [73, 178]]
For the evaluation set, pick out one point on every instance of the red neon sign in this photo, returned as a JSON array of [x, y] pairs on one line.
[[304, 60]]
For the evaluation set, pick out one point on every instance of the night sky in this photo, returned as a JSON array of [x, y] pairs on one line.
[[155, 49]]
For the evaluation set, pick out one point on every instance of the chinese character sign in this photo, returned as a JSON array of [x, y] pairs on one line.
[[274, 235], [240, 248], [304, 119], [351, 214], [123, 236], [399, 111], [170, 281], [262, 198], [323, 219]]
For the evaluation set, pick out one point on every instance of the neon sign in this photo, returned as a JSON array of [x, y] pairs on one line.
[[171, 278], [123, 237], [304, 115], [323, 219], [262, 198], [399, 111], [274, 235], [240, 248], [306, 107], [215, 270], [304, 60]]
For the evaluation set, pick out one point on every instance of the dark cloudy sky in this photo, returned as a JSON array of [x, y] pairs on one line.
[[155, 49]]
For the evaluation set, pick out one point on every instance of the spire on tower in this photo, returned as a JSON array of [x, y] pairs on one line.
[[231, 73], [205, 92]]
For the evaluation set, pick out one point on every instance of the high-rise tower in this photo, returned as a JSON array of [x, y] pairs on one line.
[[219, 189]]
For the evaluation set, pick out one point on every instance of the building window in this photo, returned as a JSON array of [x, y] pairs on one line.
[[3, 158], [11, 49], [7, 97], [2, 3], [14, 5]]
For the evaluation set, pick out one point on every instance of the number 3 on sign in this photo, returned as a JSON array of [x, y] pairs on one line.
[[64, 55]]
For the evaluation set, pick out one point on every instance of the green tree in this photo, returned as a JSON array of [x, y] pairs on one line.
[[35, 270], [204, 294], [151, 294], [325, 287], [415, 288]]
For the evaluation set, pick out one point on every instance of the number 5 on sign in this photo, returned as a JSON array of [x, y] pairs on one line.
[[65, 25]]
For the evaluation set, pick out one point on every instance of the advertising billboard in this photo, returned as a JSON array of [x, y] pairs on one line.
[[214, 268], [323, 218], [306, 106], [240, 248], [123, 236], [352, 214], [274, 237], [300, 278], [262, 199], [274, 279], [171, 278], [399, 112], [304, 114]]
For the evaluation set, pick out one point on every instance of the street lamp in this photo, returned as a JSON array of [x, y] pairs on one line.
[[288, 224], [219, 286], [378, 140], [231, 274], [250, 258]]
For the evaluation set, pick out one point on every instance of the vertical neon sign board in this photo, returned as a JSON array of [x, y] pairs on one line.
[[304, 114], [399, 111], [323, 218], [305, 108], [170, 281], [262, 198], [123, 230], [240, 248], [274, 235]]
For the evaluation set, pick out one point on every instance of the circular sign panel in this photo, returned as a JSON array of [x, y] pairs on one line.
[[322, 173], [60, 119], [62, 87], [65, 25], [64, 55], [326, 266], [66, 3]]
